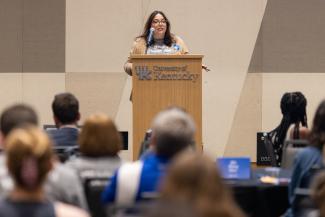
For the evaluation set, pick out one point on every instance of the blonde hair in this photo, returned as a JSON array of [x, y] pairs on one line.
[[29, 157], [99, 137], [194, 179]]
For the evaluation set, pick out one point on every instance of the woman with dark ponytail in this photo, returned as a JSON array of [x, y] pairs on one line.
[[308, 159], [293, 108], [29, 159]]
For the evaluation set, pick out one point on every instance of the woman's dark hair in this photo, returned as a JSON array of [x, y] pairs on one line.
[[168, 39], [293, 108], [317, 134]]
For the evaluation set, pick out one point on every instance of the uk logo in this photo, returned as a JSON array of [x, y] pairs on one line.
[[143, 72]]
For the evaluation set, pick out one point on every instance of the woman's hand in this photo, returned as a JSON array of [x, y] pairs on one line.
[[205, 68]]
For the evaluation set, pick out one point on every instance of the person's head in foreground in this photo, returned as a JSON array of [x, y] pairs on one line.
[[172, 131], [99, 137], [194, 179], [15, 116], [317, 133], [29, 160]]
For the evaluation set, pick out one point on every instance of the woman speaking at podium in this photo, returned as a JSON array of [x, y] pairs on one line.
[[156, 39]]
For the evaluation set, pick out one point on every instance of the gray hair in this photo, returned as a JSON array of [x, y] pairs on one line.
[[173, 130]]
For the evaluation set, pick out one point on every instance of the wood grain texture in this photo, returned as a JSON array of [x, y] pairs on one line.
[[151, 96]]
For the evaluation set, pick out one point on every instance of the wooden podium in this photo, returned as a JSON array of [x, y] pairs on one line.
[[160, 81]]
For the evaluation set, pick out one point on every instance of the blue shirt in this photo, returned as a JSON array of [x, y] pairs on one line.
[[154, 168], [305, 160]]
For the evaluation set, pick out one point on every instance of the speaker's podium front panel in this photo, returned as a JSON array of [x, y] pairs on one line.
[[160, 81]]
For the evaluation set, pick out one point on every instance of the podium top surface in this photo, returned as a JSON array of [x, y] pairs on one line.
[[167, 56]]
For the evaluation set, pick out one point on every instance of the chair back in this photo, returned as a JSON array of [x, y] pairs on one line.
[[303, 201], [145, 143], [290, 150], [65, 152], [94, 184]]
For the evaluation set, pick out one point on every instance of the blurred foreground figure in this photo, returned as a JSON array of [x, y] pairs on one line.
[[29, 160], [193, 179]]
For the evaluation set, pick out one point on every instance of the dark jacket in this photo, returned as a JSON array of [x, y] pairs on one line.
[[65, 136]]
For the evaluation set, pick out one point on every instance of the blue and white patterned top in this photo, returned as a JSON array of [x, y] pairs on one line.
[[158, 47]]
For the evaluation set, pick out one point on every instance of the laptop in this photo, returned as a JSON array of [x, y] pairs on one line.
[[235, 167], [124, 134]]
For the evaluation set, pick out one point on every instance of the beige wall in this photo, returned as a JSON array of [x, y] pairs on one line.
[[36, 89], [275, 84], [208, 27], [98, 37]]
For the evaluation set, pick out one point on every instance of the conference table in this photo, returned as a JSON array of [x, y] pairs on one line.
[[259, 199]]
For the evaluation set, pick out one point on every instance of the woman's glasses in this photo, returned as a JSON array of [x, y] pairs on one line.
[[159, 22]]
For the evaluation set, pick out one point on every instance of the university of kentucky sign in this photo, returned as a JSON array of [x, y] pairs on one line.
[[165, 73]]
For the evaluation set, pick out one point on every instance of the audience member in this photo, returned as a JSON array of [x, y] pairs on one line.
[[172, 132], [13, 117], [293, 108], [309, 158], [62, 184], [66, 114], [100, 142], [17, 116], [193, 179], [318, 196], [29, 159]]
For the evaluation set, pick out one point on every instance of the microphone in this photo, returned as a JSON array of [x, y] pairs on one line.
[[150, 36]]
